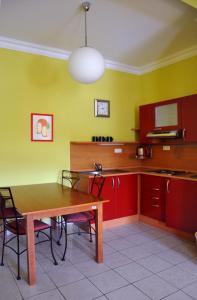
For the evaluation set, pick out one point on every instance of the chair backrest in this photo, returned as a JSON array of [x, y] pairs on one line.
[[7, 197], [71, 178], [97, 185], [9, 212], [7, 203]]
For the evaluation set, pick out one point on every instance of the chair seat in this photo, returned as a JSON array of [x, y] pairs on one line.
[[79, 217], [9, 213], [38, 225]]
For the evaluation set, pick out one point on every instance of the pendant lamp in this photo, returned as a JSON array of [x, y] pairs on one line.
[[86, 64]]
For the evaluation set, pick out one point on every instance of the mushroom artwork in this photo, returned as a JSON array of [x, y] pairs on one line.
[[42, 127]]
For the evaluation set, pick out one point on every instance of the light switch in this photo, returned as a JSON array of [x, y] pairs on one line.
[[118, 150], [166, 148]]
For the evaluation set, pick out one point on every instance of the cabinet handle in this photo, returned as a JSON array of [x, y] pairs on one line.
[[167, 186], [155, 198], [118, 182], [155, 205], [184, 131], [113, 182], [155, 189]]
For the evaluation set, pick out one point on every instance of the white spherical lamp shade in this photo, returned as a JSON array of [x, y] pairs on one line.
[[86, 65]]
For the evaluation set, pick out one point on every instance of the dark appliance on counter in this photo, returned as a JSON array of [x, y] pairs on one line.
[[143, 151]]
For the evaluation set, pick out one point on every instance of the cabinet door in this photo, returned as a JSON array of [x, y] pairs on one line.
[[189, 118], [181, 205], [146, 122], [167, 115], [152, 197], [108, 193], [126, 196]]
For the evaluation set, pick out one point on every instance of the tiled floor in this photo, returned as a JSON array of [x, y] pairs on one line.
[[140, 263]]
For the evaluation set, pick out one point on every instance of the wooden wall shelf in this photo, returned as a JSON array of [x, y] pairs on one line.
[[118, 143]]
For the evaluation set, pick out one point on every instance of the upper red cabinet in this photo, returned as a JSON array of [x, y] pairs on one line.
[[189, 118], [169, 119]]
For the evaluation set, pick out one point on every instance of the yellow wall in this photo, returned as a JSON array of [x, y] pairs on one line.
[[30, 83], [173, 81]]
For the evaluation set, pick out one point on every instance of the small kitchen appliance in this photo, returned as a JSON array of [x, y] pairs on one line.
[[143, 151]]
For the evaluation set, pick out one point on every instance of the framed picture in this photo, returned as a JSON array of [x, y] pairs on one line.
[[41, 127], [101, 108]]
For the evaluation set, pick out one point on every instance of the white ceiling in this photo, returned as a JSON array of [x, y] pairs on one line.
[[131, 32]]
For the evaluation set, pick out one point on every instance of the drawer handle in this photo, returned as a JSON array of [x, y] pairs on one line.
[[155, 198], [113, 182], [155, 205], [155, 189]]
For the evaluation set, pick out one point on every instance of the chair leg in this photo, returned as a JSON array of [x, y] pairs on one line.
[[18, 258], [61, 231], [65, 248], [3, 248], [79, 232], [51, 244], [90, 230]]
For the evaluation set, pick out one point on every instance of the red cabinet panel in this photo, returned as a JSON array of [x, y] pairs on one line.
[[146, 121], [126, 195], [108, 192], [189, 118], [186, 117], [181, 205], [153, 196], [121, 191]]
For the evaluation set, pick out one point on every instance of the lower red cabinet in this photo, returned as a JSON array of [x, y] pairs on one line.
[[121, 191], [181, 204], [153, 197]]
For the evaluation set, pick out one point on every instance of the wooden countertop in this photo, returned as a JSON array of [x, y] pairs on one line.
[[141, 170]]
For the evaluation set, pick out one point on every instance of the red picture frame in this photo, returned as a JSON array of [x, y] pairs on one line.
[[41, 127]]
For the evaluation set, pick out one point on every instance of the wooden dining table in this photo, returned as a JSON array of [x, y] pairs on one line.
[[38, 201]]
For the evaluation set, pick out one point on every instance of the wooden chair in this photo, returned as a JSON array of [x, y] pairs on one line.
[[16, 224], [87, 217]]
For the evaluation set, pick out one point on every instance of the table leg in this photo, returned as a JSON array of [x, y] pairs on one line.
[[31, 258], [99, 233]]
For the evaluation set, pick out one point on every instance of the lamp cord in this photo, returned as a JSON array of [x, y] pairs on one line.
[[86, 43]]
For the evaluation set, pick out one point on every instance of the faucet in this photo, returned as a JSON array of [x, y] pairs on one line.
[[98, 166]]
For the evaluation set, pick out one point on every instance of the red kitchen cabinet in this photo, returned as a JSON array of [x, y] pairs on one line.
[[181, 204], [108, 192], [153, 197], [176, 114], [189, 118], [126, 195], [121, 191], [146, 121]]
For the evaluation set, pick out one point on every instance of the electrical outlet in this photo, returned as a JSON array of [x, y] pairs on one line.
[[118, 150], [166, 148]]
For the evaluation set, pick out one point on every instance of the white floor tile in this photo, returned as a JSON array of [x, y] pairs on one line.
[[83, 290], [177, 277], [65, 275], [133, 272], [43, 284], [178, 296], [116, 259], [155, 287], [154, 263], [191, 290], [128, 292], [108, 281], [91, 268], [51, 295]]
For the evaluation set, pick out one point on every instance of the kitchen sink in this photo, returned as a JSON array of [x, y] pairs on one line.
[[104, 172]]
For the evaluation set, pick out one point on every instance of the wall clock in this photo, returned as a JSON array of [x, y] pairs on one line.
[[101, 108]]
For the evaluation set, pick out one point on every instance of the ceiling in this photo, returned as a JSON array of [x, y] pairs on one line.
[[131, 32]]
